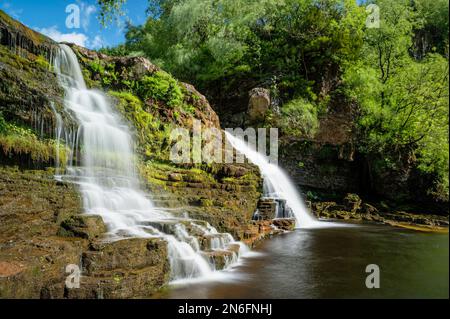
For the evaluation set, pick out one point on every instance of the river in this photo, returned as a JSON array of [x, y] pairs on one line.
[[331, 263]]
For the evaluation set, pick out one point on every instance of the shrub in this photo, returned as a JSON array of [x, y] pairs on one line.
[[299, 118]]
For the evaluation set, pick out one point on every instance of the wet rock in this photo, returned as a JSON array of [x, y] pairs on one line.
[[287, 224], [267, 208], [221, 258]]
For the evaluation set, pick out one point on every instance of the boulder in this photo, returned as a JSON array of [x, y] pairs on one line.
[[352, 202], [284, 223], [174, 177], [259, 104]]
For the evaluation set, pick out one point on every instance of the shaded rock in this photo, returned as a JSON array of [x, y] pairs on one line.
[[175, 177], [352, 202], [259, 104], [233, 170]]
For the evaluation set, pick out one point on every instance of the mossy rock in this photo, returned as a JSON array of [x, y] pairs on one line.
[[133, 253], [352, 202], [84, 226]]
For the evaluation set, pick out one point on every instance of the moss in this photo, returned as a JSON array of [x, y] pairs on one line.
[[16, 140], [151, 133], [42, 62], [206, 202], [14, 60], [161, 86]]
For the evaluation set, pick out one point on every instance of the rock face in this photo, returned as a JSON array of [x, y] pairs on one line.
[[42, 232], [259, 104], [23, 40]]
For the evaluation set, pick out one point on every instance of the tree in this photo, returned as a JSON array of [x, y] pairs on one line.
[[403, 101]]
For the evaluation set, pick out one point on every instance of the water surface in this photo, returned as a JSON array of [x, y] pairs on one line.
[[331, 263]]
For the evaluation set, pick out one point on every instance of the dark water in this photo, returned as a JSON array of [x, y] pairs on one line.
[[331, 263]]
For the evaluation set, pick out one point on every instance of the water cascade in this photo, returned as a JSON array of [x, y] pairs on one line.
[[101, 161], [276, 183]]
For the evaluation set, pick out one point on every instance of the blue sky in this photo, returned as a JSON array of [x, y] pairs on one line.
[[49, 17]]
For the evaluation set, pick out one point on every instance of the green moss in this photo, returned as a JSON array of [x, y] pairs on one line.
[[14, 60], [152, 134], [16, 140], [206, 202], [190, 109], [161, 86], [42, 62]]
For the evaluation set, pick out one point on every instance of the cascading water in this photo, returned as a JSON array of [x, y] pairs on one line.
[[276, 183], [102, 164]]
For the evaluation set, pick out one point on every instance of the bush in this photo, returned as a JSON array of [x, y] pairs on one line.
[[299, 118]]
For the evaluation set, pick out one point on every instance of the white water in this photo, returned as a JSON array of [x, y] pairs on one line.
[[277, 184], [102, 163]]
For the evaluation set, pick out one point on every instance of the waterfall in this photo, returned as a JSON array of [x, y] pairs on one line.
[[102, 163], [276, 183]]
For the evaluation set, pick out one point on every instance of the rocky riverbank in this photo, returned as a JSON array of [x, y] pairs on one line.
[[353, 208]]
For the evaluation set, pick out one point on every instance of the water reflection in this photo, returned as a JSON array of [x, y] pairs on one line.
[[331, 262]]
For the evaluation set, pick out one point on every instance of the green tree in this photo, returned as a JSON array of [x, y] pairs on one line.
[[403, 101]]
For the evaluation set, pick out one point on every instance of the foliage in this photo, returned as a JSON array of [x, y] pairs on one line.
[[432, 34], [403, 101], [308, 51], [42, 62], [299, 118], [221, 43], [3, 124], [109, 9], [161, 86], [106, 72]]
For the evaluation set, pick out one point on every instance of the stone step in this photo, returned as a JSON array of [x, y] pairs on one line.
[[222, 258]]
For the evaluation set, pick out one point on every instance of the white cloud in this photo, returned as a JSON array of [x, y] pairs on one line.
[[96, 43], [78, 38], [13, 12], [87, 10]]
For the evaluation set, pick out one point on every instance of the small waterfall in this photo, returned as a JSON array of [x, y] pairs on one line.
[[102, 163], [276, 183]]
